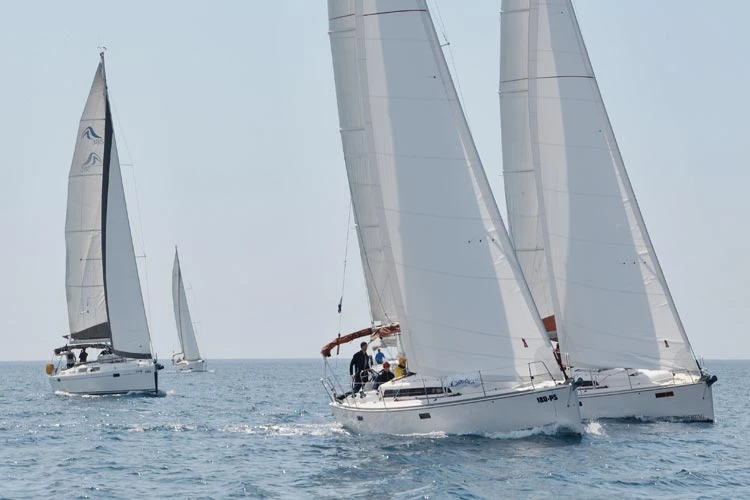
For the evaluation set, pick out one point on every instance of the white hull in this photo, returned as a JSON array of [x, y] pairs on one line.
[[107, 378], [500, 413], [197, 365], [678, 398]]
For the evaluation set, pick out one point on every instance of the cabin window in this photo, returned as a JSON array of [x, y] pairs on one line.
[[423, 416], [415, 391], [667, 394]]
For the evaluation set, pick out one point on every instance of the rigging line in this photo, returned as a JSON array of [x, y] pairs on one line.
[[137, 206], [346, 255], [450, 54]]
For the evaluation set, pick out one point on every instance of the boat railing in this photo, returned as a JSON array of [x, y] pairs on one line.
[[595, 379], [541, 371]]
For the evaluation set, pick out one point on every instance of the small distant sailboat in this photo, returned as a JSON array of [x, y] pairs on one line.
[[189, 359], [105, 305], [439, 267], [579, 233]]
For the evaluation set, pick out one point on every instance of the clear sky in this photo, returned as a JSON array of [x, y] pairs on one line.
[[227, 113]]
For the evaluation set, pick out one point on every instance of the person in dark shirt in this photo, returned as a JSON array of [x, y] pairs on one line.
[[358, 366], [384, 376], [83, 356]]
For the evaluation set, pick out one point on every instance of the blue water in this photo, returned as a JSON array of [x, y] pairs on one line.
[[262, 429]]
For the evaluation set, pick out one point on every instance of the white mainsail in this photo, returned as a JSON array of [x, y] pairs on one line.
[[571, 206], [102, 283], [182, 318], [425, 211]]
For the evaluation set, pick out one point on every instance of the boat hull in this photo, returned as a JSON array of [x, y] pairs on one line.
[[693, 401], [108, 378], [197, 365], [502, 413]]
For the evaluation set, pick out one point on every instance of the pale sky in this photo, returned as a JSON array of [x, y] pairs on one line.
[[227, 112]]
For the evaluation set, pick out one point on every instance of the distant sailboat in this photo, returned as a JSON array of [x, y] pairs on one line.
[[578, 231], [189, 359], [105, 305], [439, 266]]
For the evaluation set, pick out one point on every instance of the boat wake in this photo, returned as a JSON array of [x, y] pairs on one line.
[[557, 430], [287, 429], [133, 394], [594, 428]]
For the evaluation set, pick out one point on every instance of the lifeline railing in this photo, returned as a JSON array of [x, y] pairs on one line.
[[336, 390]]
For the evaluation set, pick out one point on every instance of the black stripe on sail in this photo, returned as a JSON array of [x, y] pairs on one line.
[[108, 136], [100, 331], [132, 355]]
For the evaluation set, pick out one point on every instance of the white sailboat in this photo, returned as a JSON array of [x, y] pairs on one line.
[[578, 231], [189, 358], [438, 262], [105, 305]]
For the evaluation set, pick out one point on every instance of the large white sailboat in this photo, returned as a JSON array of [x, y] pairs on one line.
[[105, 305], [578, 231], [438, 263], [189, 358]]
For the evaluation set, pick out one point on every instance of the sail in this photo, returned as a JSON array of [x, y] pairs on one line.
[[459, 293], [364, 181], [84, 272], [611, 301], [524, 223], [182, 314], [102, 285]]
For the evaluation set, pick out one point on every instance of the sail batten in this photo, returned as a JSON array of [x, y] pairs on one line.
[[593, 266], [458, 291]]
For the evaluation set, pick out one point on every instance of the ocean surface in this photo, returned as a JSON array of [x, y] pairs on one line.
[[262, 429]]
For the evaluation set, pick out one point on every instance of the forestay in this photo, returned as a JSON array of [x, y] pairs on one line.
[[182, 314], [611, 301], [459, 294]]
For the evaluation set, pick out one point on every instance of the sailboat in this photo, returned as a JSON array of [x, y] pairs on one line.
[[189, 359], [439, 267], [578, 232], [105, 305]]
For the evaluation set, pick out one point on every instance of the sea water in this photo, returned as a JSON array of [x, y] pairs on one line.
[[262, 429]]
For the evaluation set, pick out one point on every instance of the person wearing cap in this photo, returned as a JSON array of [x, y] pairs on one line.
[[384, 376]]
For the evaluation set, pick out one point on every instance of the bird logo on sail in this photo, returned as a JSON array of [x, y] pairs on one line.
[[92, 161], [89, 133]]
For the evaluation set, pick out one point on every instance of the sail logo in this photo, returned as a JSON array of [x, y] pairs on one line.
[[91, 135], [94, 160]]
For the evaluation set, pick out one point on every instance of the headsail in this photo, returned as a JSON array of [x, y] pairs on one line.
[[182, 318], [102, 283], [458, 290], [611, 301]]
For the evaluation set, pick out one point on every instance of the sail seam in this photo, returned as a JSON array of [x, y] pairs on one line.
[[393, 12], [553, 77]]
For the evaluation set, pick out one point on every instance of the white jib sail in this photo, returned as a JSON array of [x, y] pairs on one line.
[[182, 318], [611, 301], [460, 296]]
